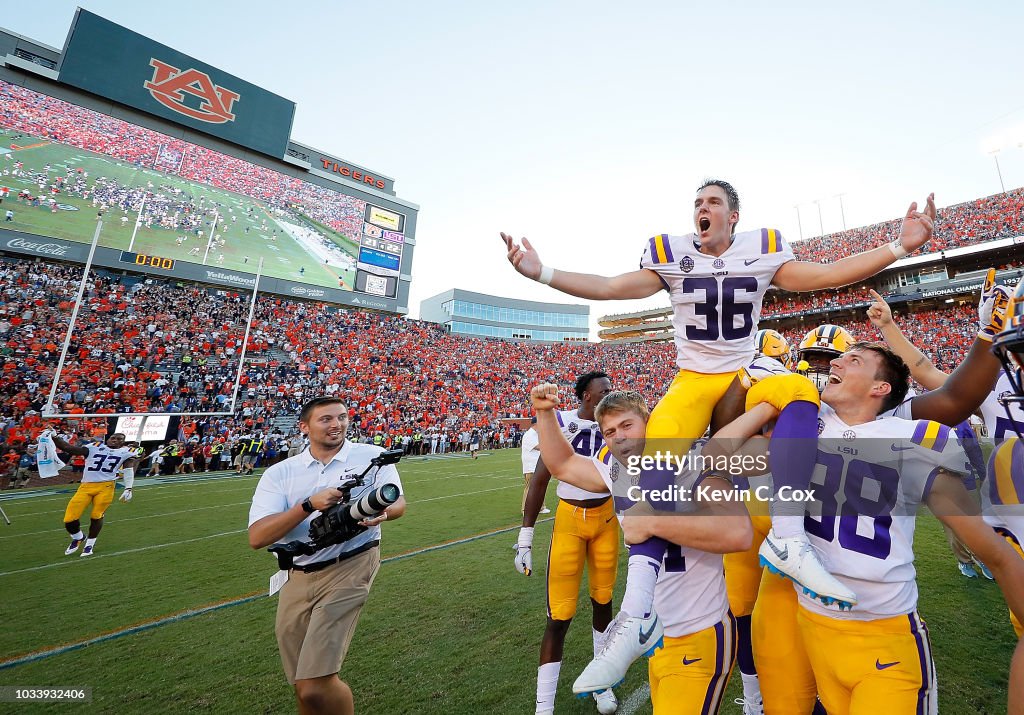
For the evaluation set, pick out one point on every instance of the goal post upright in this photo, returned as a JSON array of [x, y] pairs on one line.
[[49, 408]]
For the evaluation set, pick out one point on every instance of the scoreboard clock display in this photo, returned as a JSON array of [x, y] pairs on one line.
[[142, 259]]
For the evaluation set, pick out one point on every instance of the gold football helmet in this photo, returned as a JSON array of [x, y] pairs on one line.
[[818, 348], [771, 343]]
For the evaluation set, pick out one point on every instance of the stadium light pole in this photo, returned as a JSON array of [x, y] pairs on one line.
[[799, 223], [138, 220], [216, 217], [49, 408], [842, 211], [999, 172], [821, 224]]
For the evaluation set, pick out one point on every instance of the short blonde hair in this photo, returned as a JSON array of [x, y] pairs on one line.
[[622, 401]]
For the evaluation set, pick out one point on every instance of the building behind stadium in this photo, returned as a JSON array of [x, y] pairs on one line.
[[463, 312]]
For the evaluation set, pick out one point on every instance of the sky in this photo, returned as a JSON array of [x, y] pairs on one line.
[[586, 126]]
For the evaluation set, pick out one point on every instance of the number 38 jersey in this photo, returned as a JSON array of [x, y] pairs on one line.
[[586, 439], [868, 483], [716, 301], [103, 462]]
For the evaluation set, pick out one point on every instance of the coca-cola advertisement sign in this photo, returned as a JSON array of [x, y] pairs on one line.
[[44, 249]]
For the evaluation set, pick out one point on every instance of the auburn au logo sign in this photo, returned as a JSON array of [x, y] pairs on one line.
[[170, 85]]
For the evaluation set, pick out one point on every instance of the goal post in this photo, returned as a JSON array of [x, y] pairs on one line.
[[49, 410]]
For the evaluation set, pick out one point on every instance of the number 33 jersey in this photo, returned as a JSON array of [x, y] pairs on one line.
[[103, 462], [716, 301], [868, 484]]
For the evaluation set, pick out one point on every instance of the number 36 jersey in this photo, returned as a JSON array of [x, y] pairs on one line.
[[103, 462], [716, 301], [868, 483]]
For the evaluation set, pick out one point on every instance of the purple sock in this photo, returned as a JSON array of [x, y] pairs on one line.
[[793, 452], [745, 651]]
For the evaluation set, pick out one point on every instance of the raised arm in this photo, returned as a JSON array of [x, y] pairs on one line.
[[973, 379], [642, 283], [557, 453], [921, 368], [802, 276], [63, 446]]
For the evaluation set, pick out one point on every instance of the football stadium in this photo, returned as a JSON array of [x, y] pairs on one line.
[[197, 311]]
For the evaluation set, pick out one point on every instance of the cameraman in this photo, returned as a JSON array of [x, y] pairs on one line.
[[320, 603]]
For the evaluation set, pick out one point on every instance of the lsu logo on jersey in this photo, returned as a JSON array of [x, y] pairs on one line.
[[170, 85]]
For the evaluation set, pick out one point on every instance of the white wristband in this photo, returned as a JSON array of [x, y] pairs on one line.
[[898, 250], [546, 274], [526, 536]]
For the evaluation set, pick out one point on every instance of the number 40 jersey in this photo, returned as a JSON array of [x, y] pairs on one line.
[[716, 301], [103, 462], [585, 438]]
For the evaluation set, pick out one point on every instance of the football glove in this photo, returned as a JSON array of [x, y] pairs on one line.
[[126, 495], [992, 305], [524, 551]]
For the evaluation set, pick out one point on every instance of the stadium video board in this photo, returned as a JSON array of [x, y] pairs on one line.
[[184, 210]]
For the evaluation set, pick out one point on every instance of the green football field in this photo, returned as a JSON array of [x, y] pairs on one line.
[[283, 258], [174, 604]]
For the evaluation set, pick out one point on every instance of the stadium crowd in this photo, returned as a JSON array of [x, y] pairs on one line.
[[965, 224], [150, 345]]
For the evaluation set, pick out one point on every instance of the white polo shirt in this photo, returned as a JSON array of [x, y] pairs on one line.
[[291, 481], [531, 450]]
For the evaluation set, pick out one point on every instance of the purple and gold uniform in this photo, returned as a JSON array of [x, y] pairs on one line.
[[581, 536]]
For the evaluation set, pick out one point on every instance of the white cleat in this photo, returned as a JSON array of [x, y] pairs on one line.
[[607, 703], [751, 707], [73, 546], [87, 551], [628, 639], [795, 558]]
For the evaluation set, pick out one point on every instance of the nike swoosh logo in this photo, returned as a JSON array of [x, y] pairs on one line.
[[895, 448], [750, 261], [609, 520], [687, 661], [783, 554], [644, 637], [883, 666]]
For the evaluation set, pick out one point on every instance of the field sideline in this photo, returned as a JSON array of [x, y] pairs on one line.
[[450, 626]]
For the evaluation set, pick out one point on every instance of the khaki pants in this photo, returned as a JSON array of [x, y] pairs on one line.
[[317, 615]]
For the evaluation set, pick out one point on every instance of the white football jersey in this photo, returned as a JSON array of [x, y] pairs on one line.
[[690, 594], [586, 439], [103, 463], [997, 423], [869, 482], [1002, 495], [716, 301]]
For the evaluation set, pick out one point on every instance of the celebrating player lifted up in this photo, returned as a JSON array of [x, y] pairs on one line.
[[716, 280]]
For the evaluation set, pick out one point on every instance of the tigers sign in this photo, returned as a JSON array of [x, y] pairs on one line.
[[118, 64]]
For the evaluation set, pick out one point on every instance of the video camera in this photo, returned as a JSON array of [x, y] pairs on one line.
[[339, 523]]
